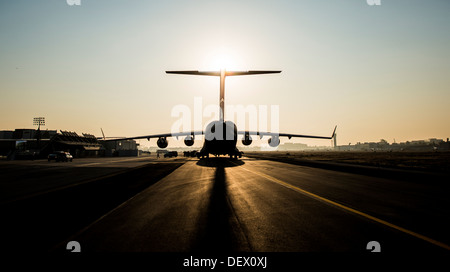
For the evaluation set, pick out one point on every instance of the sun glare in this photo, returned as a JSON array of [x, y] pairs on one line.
[[221, 59]]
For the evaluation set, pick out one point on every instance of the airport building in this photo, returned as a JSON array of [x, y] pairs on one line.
[[79, 146], [34, 144], [23, 142], [124, 148]]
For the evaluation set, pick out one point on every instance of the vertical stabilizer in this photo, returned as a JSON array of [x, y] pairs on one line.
[[223, 73], [222, 95]]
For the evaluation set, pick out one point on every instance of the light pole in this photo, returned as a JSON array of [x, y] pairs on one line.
[[38, 121]]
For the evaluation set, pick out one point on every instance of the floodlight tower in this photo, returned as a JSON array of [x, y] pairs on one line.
[[38, 121]]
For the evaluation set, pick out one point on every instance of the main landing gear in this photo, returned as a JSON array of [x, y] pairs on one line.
[[236, 155]]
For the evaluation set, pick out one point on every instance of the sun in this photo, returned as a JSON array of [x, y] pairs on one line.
[[221, 59]]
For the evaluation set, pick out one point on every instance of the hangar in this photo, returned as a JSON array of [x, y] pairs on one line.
[[35, 144]]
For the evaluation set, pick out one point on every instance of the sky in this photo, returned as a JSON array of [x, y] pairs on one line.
[[375, 71]]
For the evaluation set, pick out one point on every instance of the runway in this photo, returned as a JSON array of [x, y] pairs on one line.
[[22, 179], [252, 205]]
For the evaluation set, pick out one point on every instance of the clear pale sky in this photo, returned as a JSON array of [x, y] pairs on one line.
[[378, 72]]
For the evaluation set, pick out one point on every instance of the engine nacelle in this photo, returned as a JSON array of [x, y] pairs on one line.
[[162, 142], [247, 140], [189, 140], [274, 141]]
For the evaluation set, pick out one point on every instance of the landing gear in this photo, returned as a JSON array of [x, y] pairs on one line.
[[202, 155], [236, 155]]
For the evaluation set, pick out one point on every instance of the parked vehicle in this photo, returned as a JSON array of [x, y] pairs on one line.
[[60, 156], [192, 153], [171, 154]]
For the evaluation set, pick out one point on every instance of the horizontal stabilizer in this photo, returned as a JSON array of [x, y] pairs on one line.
[[255, 72], [227, 73], [196, 73]]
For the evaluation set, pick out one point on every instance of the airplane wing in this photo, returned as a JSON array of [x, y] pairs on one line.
[[164, 135], [193, 133], [289, 135]]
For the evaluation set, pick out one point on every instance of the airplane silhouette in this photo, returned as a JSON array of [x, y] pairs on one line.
[[221, 136]]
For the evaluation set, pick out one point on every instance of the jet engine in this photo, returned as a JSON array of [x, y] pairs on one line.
[[247, 140], [274, 141], [162, 142], [189, 140]]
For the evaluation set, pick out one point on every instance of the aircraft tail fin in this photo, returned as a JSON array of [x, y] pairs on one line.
[[222, 74]]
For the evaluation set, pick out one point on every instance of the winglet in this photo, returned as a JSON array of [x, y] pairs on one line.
[[334, 132], [333, 137], [104, 138]]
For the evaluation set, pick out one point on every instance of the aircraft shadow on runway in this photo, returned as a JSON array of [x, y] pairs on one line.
[[218, 230], [220, 162]]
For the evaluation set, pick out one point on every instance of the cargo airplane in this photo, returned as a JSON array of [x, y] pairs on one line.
[[221, 136]]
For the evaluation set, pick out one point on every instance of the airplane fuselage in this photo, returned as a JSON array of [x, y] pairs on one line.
[[220, 139]]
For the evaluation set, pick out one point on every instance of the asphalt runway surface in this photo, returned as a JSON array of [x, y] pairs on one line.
[[42, 203], [22, 179], [252, 205]]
